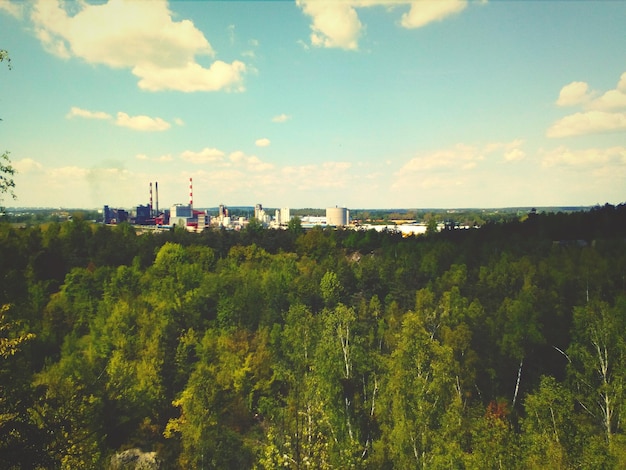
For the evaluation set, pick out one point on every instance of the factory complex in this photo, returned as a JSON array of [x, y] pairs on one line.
[[184, 215]]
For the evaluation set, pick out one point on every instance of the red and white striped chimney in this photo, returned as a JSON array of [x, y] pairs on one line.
[[151, 199], [190, 193]]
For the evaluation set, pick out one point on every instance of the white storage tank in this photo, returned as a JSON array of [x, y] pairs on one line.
[[337, 216]]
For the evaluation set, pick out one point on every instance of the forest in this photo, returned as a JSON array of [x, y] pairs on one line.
[[500, 347]]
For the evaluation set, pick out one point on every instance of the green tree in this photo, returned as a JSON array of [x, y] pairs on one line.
[[6, 176], [290, 437], [598, 362], [331, 288], [493, 441], [549, 426], [418, 394], [295, 225], [213, 412], [71, 410], [22, 442], [10, 342]]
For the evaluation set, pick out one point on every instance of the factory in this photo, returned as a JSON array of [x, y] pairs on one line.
[[184, 215], [181, 215]]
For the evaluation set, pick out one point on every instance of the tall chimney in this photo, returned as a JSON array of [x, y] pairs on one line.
[[156, 189], [190, 194], [151, 213]]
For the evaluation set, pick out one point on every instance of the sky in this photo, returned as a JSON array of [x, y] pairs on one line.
[[315, 103]]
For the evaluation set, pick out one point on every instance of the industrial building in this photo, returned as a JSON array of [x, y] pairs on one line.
[[115, 216], [184, 215], [337, 216], [142, 215]]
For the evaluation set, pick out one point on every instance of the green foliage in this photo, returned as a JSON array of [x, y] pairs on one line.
[[549, 437], [6, 176], [493, 348], [10, 342], [295, 225]]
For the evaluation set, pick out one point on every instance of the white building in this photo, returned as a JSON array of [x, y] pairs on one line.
[[282, 216]]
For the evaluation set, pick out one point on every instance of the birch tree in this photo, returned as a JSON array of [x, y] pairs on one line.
[[598, 356], [417, 392]]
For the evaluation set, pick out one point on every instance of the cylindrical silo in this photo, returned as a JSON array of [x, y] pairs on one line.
[[337, 216]]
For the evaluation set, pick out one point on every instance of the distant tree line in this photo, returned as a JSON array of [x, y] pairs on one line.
[[498, 347]]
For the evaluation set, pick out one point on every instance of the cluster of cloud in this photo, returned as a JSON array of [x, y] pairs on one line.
[[281, 118], [452, 166], [163, 53], [462, 157], [137, 123], [336, 24], [585, 159], [602, 112], [13, 9], [219, 159], [239, 166], [478, 172]]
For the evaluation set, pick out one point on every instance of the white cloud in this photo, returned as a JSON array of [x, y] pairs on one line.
[[179, 122], [589, 122], [264, 142], [192, 77], [423, 12], [27, 165], [163, 52], [324, 176], [612, 99], [84, 113], [281, 118], [162, 158], [578, 93], [461, 156], [599, 115], [574, 94], [13, 9], [336, 166], [138, 123], [249, 163], [514, 155], [621, 85], [206, 155], [335, 24], [65, 173], [141, 123], [585, 159], [453, 166]]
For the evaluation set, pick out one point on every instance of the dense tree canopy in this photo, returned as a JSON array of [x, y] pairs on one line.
[[498, 347]]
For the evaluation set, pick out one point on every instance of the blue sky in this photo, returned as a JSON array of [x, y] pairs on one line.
[[313, 103]]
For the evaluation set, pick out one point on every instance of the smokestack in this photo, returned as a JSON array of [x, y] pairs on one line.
[[151, 214], [156, 188], [190, 194]]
